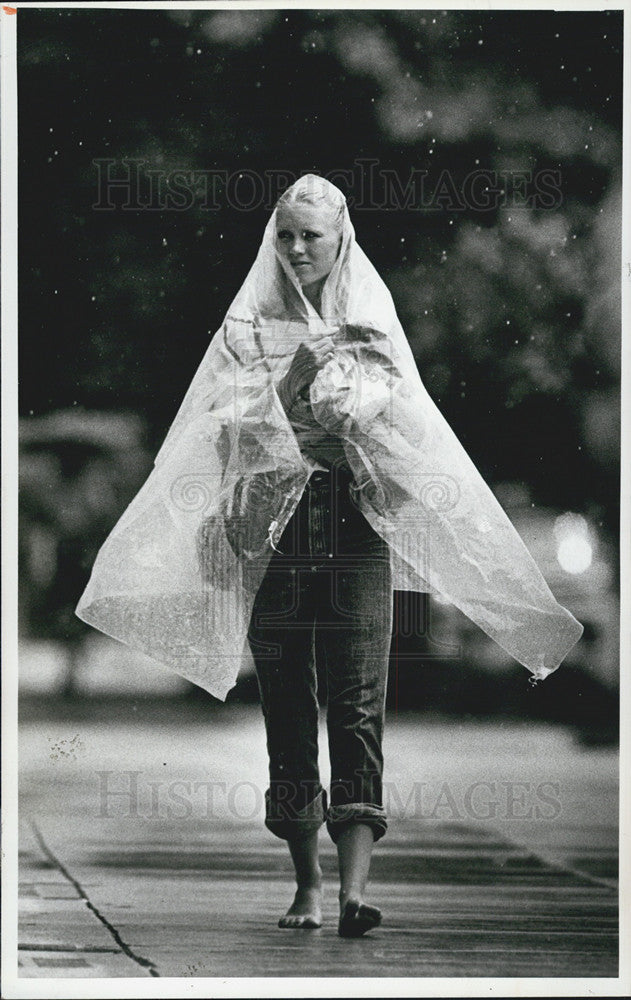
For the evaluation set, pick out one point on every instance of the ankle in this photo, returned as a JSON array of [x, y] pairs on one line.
[[351, 895], [312, 882]]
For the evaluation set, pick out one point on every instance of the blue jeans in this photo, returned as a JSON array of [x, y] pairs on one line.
[[326, 598]]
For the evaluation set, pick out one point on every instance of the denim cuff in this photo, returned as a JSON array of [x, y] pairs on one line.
[[290, 824], [356, 812]]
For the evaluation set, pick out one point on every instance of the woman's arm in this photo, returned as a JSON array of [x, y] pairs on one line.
[[358, 384]]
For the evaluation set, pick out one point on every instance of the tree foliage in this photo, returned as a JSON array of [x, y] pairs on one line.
[[512, 309]]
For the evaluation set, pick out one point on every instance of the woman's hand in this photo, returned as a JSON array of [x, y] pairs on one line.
[[305, 365], [309, 358]]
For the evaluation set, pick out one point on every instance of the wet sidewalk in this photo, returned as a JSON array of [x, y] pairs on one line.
[[143, 854]]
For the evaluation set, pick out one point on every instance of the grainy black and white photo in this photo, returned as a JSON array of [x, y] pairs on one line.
[[318, 575]]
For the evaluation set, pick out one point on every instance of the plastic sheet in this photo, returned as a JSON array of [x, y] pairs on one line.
[[178, 574]]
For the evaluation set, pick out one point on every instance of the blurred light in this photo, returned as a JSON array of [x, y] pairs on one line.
[[575, 555], [575, 547]]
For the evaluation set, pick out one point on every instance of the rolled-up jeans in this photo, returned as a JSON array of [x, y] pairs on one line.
[[326, 598]]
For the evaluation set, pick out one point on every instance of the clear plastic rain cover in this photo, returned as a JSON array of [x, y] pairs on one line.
[[177, 576]]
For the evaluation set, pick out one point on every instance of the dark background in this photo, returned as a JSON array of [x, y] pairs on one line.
[[513, 313]]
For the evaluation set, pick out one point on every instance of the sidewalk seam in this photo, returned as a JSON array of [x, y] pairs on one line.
[[143, 962], [542, 855]]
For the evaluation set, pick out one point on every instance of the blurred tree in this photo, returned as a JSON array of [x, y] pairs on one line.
[[512, 311]]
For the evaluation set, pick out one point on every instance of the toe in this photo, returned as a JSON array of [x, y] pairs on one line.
[[293, 921]]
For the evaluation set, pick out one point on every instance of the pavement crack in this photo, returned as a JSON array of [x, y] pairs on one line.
[[550, 861], [143, 962]]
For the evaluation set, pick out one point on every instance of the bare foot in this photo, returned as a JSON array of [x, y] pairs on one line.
[[356, 918], [306, 910]]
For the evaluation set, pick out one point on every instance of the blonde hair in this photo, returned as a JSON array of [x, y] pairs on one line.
[[311, 189]]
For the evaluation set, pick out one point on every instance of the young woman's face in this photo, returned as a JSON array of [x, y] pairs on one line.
[[308, 240]]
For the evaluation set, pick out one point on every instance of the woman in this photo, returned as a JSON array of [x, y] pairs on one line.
[[331, 573], [306, 474]]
